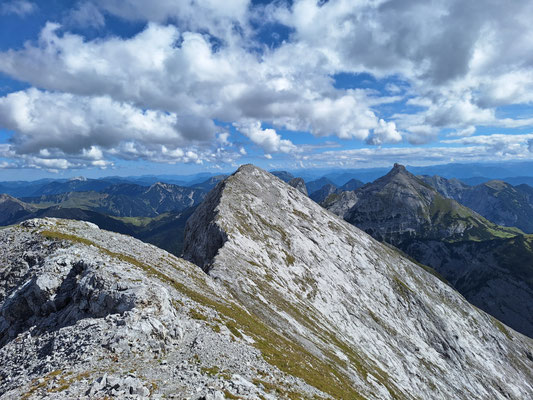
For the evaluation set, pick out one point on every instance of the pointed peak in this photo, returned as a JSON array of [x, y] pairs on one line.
[[397, 168], [247, 168], [250, 171]]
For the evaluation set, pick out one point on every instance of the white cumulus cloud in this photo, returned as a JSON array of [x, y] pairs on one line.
[[163, 93], [267, 139]]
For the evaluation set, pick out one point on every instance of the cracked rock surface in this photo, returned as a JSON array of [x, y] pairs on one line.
[[87, 313], [374, 323]]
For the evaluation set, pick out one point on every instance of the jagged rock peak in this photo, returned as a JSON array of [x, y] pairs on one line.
[[398, 169]]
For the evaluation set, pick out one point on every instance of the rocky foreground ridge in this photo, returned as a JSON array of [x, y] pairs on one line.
[[296, 303], [88, 314]]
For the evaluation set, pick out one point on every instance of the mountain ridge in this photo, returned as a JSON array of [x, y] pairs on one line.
[[496, 200], [264, 259], [296, 303]]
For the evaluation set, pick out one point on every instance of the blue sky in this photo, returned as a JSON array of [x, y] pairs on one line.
[[113, 87]]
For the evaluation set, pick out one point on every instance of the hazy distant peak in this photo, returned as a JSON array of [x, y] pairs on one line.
[[283, 175], [160, 185], [498, 184]]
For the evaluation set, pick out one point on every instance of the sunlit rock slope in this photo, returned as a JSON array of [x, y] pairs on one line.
[[354, 318]]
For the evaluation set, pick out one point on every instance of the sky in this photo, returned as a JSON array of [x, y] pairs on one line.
[[129, 87]]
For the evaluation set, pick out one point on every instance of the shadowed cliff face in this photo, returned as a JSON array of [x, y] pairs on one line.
[[204, 236], [373, 323]]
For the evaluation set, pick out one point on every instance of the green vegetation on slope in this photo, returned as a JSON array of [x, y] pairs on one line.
[[446, 214], [516, 255]]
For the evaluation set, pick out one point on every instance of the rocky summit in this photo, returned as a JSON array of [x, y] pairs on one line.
[[279, 299], [399, 207]]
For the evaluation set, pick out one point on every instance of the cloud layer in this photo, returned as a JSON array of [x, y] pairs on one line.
[[199, 80]]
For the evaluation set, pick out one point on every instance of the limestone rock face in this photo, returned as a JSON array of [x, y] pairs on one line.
[[372, 323], [90, 314]]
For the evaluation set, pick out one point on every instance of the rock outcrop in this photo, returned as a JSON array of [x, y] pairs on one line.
[[90, 314], [299, 184]]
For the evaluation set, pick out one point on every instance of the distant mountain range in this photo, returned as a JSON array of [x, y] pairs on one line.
[[496, 200], [515, 173], [512, 172], [155, 214], [125, 200], [80, 184]]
